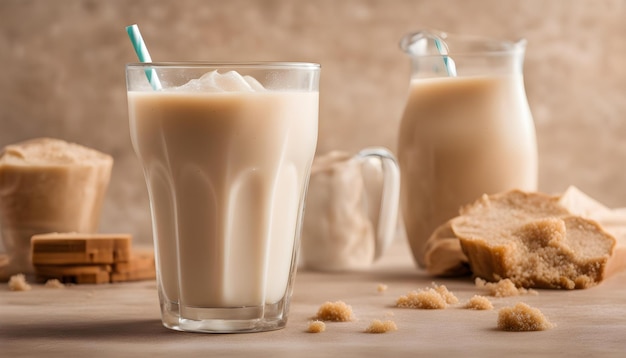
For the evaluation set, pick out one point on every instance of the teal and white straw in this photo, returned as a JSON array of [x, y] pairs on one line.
[[144, 56], [447, 61]]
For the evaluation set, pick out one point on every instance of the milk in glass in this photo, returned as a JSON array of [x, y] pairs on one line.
[[226, 164]]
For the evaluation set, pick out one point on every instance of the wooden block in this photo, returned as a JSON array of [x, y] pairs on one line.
[[75, 273], [139, 267], [78, 248], [140, 259], [128, 276]]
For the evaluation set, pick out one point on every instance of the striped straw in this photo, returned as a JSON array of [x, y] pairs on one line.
[[143, 54], [447, 61]]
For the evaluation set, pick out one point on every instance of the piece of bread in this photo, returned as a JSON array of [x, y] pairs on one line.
[[533, 240], [443, 255]]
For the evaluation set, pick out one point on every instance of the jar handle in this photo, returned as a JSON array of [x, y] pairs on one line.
[[390, 195]]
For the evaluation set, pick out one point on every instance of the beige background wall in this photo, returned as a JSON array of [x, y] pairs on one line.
[[63, 73]]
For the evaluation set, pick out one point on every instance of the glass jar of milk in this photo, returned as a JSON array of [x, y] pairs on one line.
[[467, 129]]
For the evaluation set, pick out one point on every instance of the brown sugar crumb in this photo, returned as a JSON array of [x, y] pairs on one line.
[[378, 326], [429, 299], [54, 283], [503, 288], [447, 295], [337, 311], [522, 317], [18, 283], [479, 303], [436, 297], [381, 287], [316, 327]]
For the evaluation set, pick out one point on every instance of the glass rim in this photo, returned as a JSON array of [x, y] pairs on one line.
[[468, 54], [461, 45], [217, 65]]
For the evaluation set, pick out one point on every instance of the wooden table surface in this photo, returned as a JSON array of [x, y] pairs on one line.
[[120, 320]]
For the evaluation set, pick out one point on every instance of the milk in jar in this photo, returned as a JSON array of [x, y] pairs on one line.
[[464, 135]]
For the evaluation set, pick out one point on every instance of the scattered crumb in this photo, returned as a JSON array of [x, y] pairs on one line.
[[429, 299], [381, 287], [316, 326], [378, 326], [503, 288], [447, 295], [436, 297], [54, 283], [337, 311], [522, 317], [480, 303], [18, 283], [389, 314]]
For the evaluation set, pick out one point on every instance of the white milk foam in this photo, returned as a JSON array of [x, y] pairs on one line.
[[214, 81]]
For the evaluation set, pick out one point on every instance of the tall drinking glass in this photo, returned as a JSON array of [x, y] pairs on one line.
[[226, 151]]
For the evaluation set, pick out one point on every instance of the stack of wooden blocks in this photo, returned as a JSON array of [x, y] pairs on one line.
[[90, 258]]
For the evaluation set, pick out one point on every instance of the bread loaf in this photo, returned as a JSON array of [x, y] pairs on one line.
[[533, 240]]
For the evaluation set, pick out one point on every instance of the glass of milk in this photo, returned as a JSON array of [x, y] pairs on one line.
[[467, 129], [226, 151]]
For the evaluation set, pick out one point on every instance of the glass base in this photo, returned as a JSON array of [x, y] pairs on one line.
[[268, 317]]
